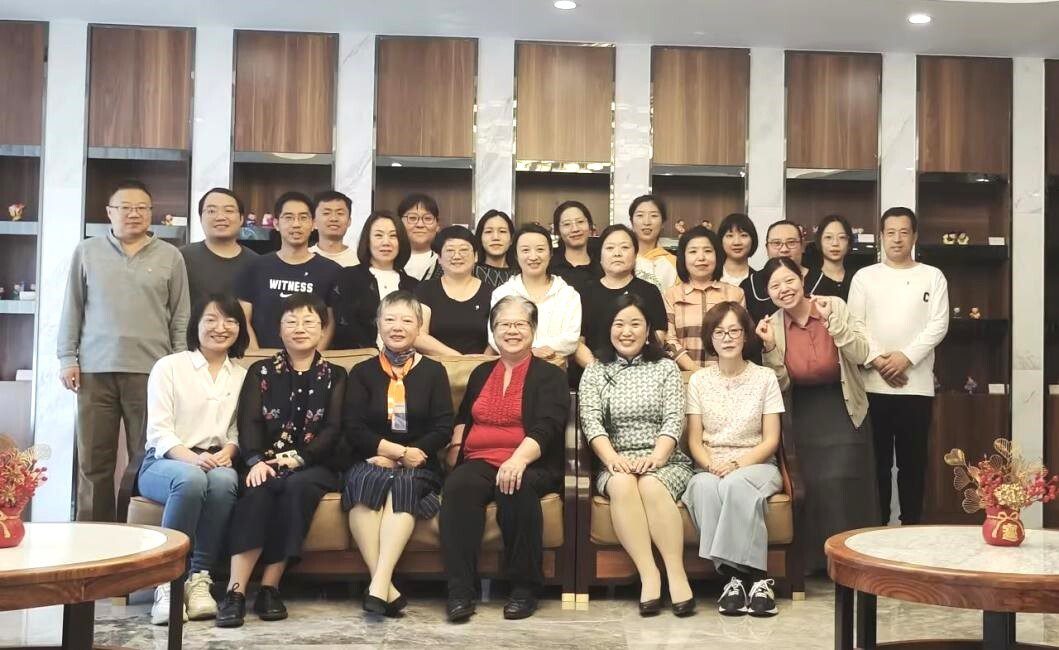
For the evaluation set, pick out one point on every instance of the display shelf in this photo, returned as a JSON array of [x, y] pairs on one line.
[[18, 306], [975, 254], [18, 228]]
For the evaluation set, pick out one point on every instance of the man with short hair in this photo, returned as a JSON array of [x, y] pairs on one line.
[[331, 220], [422, 220], [782, 239], [126, 306], [214, 264], [905, 307], [263, 284]]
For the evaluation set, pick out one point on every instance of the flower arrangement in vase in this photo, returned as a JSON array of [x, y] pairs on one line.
[[20, 476], [1002, 484]]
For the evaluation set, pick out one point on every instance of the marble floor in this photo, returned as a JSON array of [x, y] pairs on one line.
[[328, 617]]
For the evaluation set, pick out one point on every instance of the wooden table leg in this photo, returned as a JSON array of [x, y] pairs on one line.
[[843, 617], [176, 613], [78, 626], [998, 630], [866, 620]]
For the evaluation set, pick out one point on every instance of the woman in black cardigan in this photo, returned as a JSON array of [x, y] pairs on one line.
[[289, 437], [383, 251], [398, 416], [508, 449]]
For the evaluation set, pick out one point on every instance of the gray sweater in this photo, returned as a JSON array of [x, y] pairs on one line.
[[121, 314]]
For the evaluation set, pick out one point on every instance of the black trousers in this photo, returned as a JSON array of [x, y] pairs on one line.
[[275, 516], [901, 424], [469, 488]]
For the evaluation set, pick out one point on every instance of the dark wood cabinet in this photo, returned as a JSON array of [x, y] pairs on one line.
[[1051, 280], [451, 188], [699, 99], [22, 52], [539, 193], [964, 114], [690, 200], [285, 91], [140, 87]]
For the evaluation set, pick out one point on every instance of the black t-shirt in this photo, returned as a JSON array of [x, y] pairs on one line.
[[597, 303], [268, 280], [818, 284], [463, 326], [210, 273]]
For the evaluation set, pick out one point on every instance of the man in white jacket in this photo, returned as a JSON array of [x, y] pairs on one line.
[[905, 307]]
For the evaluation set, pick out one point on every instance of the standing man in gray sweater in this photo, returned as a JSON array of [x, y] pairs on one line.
[[126, 307]]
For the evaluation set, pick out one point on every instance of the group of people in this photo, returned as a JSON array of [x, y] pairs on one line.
[[241, 457]]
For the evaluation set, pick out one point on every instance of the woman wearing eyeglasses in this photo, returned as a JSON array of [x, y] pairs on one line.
[[383, 251], [421, 218], [734, 409], [456, 305], [817, 347], [833, 239]]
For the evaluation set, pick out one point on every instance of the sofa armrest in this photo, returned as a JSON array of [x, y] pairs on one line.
[[789, 467], [127, 488]]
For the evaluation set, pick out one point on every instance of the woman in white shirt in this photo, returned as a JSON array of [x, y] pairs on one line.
[[733, 432], [558, 304], [192, 441]]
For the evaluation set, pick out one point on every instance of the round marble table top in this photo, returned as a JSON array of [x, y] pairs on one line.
[[959, 548], [60, 544]]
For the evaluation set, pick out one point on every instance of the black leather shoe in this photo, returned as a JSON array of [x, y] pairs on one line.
[[684, 607], [232, 610], [517, 608], [397, 605], [375, 605], [459, 609], [650, 607], [268, 605]]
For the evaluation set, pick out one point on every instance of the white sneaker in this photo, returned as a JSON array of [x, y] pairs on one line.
[[160, 609], [197, 599], [762, 601]]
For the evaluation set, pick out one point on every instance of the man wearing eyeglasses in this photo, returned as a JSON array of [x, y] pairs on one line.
[[419, 213], [262, 286], [126, 306], [214, 264], [783, 239]]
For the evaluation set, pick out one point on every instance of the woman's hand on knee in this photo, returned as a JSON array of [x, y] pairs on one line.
[[259, 474], [509, 476], [619, 464]]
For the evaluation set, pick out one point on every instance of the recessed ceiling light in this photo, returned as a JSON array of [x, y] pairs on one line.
[[919, 19], [565, 4]]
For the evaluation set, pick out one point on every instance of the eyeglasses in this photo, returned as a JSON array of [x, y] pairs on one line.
[[784, 243], [295, 218], [210, 322], [734, 333], [307, 323], [425, 220], [517, 325], [125, 210], [453, 252]]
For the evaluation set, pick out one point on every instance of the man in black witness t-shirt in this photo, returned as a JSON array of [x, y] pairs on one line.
[[264, 284]]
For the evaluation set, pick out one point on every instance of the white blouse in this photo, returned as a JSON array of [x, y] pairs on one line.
[[558, 315], [731, 407], [186, 406]]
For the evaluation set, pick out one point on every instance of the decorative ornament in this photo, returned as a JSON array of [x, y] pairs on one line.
[[975, 314], [167, 220], [970, 385], [267, 221], [251, 219], [948, 238], [680, 227], [956, 313], [15, 210], [962, 239]]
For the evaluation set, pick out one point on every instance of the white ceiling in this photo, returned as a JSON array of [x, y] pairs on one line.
[[976, 27]]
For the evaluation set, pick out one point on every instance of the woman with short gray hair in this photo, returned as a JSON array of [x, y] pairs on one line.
[[397, 416]]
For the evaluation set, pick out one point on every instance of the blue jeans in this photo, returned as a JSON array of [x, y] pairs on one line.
[[197, 503]]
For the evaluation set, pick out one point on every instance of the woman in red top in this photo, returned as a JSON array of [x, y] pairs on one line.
[[507, 447]]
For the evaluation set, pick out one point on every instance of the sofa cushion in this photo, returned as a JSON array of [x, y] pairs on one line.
[[779, 520], [145, 512]]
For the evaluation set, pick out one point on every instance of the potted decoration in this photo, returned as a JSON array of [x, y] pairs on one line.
[[19, 478], [1002, 484]]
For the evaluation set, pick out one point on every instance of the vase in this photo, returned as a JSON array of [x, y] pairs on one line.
[[1003, 527]]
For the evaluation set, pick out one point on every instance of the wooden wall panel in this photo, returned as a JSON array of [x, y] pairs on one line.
[[16, 340], [285, 91], [537, 194], [260, 184], [699, 100], [691, 199], [22, 51], [565, 95], [833, 110], [1051, 101], [140, 87], [20, 183], [1051, 453], [964, 114], [168, 181], [810, 200], [425, 93], [451, 188]]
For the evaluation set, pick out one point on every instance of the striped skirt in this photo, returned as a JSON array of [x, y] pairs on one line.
[[415, 491]]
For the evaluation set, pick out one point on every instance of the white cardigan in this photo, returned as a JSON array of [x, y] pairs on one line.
[[558, 315]]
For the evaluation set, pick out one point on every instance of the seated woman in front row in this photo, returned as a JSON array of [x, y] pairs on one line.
[[507, 448], [397, 416], [289, 430], [734, 411], [192, 442], [632, 412]]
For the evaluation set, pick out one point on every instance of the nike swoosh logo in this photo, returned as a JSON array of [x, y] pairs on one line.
[[285, 295]]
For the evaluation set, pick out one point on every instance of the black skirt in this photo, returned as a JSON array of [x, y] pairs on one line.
[[415, 491]]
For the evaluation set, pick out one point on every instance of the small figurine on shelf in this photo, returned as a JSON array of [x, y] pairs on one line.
[[970, 385], [948, 238], [680, 227], [267, 221], [974, 313], [15, 210], [963, 239], [707, 224], [937, 383], [956, 313], [1, 293], [16, 291], [167, 220], [251, 220]]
